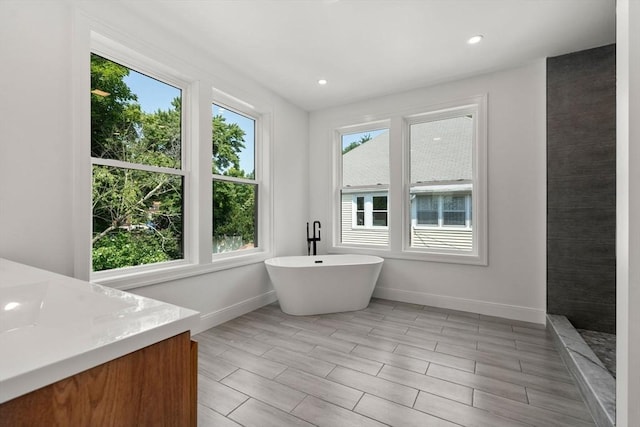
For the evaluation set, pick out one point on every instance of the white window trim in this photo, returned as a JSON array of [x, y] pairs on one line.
[[399, 242], [477, 106], [92, 36], [247, 110], [337, 245]]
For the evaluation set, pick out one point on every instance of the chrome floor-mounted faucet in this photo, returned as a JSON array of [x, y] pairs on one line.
[[313, 239]]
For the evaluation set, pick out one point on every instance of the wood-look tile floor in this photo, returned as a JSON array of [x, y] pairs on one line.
[[392, 363]]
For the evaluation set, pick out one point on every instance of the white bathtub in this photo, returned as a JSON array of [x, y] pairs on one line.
[[319, 284]]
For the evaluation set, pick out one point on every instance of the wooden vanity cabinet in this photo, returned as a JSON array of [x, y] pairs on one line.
[[153, 386]]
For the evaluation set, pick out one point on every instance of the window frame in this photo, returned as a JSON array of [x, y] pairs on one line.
[[339, 189], [398, 190], [150, 68], [200, 89], [256, 181]]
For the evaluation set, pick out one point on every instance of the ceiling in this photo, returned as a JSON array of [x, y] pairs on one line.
[[368, 48]]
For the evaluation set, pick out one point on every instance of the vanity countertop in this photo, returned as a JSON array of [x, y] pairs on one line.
[[53, 326]]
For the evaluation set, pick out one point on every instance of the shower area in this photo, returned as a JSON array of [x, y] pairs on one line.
[[581, 220]]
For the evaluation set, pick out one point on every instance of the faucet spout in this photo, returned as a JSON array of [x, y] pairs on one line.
[[315, 239]]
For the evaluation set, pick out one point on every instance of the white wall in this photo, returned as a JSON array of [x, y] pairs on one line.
[[35, 135], [628, 212], [514, 283], [36, 149]]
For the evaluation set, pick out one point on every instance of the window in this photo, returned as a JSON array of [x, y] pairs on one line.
[[443, 210], [179, 178], [417, 188], [138, 177], [370, 211], [441, 181], [364, 187], [235, 188]]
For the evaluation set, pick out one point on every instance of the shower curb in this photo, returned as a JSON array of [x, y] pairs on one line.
[[597, 385]]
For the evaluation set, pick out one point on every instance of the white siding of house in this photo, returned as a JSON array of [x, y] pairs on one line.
[[442, 238], [362, 236]]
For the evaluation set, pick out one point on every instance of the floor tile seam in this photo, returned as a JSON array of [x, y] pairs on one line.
[[430, 376], [508, 335], [218, 412], [248, 396], [551, 412], [536, 387], [342, 407], [476, 408], [322, 378], [510, 359], [379, 361], [440, 353], [227, 416], [213, 379], [318, 345], [277, 409], [349, 354], [290, 366], [412, 409], [529, 383], [380, 378], [477, 388], [438, 416], [522, 355], [584, 404], [235, 346], [262, 401], [479, 339]]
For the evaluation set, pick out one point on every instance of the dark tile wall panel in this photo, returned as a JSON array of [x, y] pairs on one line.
[[581, 204]]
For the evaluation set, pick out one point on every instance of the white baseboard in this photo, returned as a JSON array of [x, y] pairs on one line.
[[217, 317], [514, 312]]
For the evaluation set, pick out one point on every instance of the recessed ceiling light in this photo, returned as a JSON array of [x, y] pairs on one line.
[[475, 39], [322, 82]]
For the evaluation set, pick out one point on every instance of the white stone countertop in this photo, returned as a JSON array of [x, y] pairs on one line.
[[53, 326]]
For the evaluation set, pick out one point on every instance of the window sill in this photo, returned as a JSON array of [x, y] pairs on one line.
[[414, 255], [126, 280]]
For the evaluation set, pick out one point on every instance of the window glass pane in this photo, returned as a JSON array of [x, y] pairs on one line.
[[380, 203], [441, 151], [234, 216], [365, 158], [379, 219], [365, 164], [427, 210], [453, 210], [453, 218], [453, 203], [233, 143], [134, 118], [441, 164], [137, 217]]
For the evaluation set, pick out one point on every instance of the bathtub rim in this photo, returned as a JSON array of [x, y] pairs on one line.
[[310, 261]]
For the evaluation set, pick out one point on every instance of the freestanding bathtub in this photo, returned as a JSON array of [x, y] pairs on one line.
[[319, 284]]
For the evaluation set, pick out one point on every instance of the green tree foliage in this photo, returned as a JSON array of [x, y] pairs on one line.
[[355, 144], [138, 215], [234, 205]]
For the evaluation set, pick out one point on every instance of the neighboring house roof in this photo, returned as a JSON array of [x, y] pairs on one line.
[[441, 150]]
